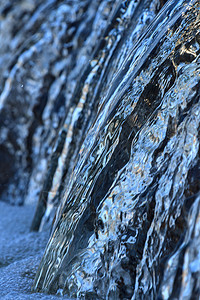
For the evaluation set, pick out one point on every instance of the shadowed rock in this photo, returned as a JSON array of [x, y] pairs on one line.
[[99, 116], [127, 216]]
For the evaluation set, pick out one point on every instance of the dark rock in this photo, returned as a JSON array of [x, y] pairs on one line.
[[99, 114]]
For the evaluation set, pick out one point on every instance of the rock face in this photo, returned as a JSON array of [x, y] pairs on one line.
[[100, 112], [119, 34], [45, 47]]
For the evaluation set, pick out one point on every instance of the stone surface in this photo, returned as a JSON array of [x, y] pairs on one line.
[[45, 46], [99, 116], [127, 215]]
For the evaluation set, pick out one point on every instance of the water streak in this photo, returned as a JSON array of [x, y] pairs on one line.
[[131, 198]]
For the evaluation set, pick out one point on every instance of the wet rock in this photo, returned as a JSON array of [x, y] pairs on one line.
[[128, 223], [112, 49], [45, 46], [99, 114]]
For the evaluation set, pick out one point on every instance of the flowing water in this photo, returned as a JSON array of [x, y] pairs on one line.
[[128, 225]]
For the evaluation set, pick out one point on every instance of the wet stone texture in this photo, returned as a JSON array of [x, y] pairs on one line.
[[100, 119], [45, 47]]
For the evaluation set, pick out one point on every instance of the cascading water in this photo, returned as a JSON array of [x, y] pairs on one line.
[[128, 226]]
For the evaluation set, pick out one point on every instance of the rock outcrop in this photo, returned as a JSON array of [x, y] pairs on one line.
[[100, 117]]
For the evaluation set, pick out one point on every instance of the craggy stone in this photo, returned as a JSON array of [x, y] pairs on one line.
[[99, 116]]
